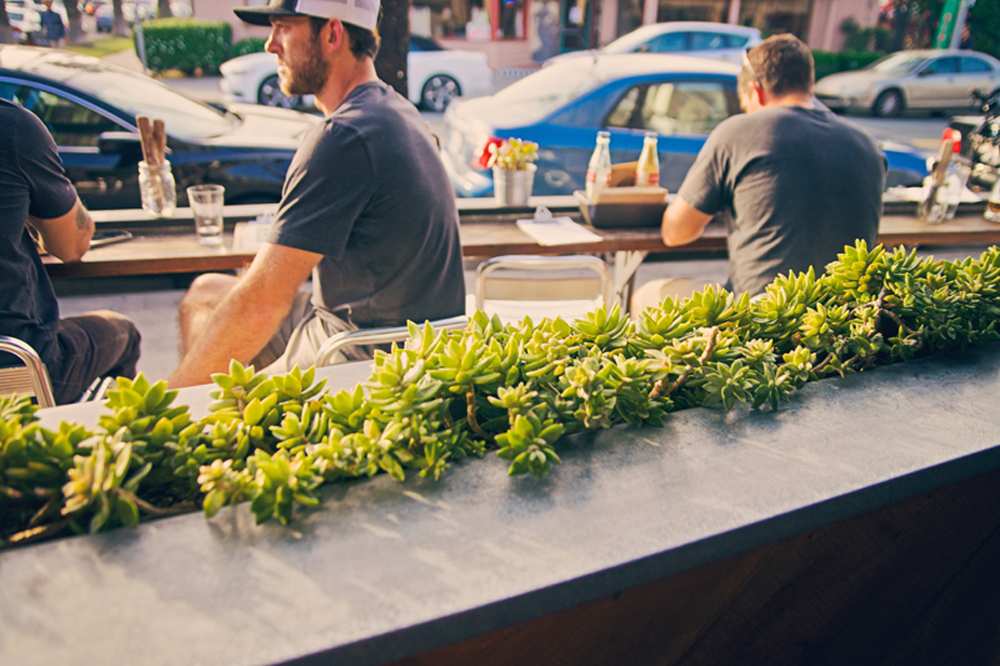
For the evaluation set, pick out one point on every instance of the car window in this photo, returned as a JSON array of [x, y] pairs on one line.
[[736, 41], [975, 66], [621, 116], [681, 107], [943, 66], [72, 125], [670, 42], [708, 41]]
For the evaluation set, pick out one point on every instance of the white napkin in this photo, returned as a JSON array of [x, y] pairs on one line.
[[547, 230]]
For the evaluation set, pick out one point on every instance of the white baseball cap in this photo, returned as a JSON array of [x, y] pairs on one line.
[[362, 13]]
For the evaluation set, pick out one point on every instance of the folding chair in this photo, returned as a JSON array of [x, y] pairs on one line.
[[378, 336], [31, 378], [542, 286]]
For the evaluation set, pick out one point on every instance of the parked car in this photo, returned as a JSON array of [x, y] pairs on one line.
[[932, 80], [723, 41], [90, 108], [562, 107], [435, 75]]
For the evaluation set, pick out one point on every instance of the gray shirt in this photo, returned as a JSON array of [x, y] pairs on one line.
[[795, 185], [367, 190]]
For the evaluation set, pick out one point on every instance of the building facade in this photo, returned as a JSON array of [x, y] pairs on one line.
[[520, 34]]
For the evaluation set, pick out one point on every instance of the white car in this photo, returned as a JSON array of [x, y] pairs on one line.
[[436, 76], [25, 18], [701, 39]]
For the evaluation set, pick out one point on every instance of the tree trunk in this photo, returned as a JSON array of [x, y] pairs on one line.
[[75, 28], [900, 24], [6, 34], [120, 26], [395, 30], [163, 9]]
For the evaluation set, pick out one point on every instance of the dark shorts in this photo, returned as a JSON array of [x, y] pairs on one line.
[[96, 344]]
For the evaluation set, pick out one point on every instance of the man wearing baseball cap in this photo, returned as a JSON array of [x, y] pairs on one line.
[[366, 208]]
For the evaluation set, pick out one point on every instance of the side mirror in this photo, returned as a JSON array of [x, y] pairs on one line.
[[642, 48], [126, 145], [925, 72]]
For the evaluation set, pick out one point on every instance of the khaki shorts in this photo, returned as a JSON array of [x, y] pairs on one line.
[[300, 337]]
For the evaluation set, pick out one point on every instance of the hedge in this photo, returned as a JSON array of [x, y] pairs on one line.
[[247, 46], [187, 44], [828, 62]]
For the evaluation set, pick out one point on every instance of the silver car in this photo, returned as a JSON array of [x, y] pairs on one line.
[[929, 79]]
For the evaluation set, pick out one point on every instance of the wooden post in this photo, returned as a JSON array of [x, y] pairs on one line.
[[395, 31]]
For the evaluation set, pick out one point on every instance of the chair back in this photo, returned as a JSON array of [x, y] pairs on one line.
[[31, 379], [378, 336], [547, 295]]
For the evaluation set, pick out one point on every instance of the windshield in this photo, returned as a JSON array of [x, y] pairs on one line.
[[630, 42], [548, 89], [139, 95], [898, 63]]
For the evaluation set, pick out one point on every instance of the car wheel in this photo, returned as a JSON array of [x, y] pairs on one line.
[[270, 94], [438, 92], [889, 104]]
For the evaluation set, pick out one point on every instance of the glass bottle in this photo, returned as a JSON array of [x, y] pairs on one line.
[[647, 172], [599, 169], [158, 189], [993, 203]]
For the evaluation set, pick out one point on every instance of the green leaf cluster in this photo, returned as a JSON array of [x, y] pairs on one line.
[[516, 390]]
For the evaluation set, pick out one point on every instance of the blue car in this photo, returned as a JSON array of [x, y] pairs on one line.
[[562, 107]]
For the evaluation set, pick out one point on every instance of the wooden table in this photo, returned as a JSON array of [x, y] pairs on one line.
[[170, 247]]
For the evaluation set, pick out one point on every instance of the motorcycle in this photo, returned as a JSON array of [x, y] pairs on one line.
[[981, 141]]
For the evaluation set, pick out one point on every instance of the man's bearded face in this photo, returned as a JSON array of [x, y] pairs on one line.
[[302, 68]]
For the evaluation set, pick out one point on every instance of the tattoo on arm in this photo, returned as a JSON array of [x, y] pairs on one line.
[[83, 219]]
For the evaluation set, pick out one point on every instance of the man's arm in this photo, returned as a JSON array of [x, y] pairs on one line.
[[67, 236], [249, 315], [682, 223]]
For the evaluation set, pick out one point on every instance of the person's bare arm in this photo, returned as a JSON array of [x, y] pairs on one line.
[[68, 236], [682, 223], [249, 315]]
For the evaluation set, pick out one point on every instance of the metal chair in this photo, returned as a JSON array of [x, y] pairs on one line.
[[32, 378], [546, 299], [377, 336]]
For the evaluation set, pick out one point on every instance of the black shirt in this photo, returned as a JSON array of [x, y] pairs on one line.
[[32, 182], [797, 185], [367, 190]]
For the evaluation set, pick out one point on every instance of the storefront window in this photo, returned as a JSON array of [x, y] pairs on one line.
[[693, 10], [776, 16], [629, 16], [451, 19]]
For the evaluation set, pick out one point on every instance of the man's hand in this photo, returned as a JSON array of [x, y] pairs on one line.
[[682, 223], [249, 315], [67, 237]]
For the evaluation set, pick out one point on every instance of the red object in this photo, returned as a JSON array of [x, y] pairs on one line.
[[484, 157], [956, 141]]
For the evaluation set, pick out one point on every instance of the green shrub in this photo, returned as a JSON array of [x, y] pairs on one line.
[[187, 44], [828, 62], [247, 46], [984, 22]]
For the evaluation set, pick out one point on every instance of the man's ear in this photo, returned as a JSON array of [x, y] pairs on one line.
[[760, 95], [336, 35]]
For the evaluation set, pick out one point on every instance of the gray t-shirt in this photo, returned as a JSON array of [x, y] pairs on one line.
[[367, 189], [795, 185]]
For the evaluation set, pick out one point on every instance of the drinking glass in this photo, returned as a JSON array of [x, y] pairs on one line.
[[206, 203]]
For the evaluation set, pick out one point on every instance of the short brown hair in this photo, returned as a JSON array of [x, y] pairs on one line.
[[363, 42], [782, 65]]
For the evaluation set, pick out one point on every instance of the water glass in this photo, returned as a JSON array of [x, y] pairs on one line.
[[157, 189], [206, 203]]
